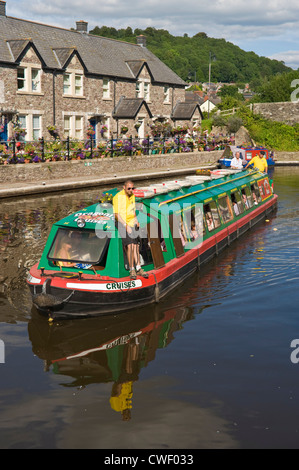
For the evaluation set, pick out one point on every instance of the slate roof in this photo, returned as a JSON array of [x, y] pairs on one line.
[[100, 56], [185, 111], [128, 108]]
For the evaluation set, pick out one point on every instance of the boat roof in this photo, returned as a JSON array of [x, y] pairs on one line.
[[193, 189]]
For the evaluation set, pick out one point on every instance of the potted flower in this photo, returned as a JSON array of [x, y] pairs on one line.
[[106, 199]]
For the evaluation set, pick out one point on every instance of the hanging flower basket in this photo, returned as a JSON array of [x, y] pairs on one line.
[[103, 130], [53, 131], [90, 131], [124, 129]]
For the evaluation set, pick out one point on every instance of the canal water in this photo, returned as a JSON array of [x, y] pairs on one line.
[[213, 366]]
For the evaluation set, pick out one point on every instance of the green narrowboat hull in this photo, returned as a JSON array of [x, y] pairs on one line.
[[183, 225]]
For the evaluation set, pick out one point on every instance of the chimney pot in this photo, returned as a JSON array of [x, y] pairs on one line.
[[2, 8], [141, 40], [81, 26]]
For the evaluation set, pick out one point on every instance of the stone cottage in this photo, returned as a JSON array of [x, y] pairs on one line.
[[74, 81]]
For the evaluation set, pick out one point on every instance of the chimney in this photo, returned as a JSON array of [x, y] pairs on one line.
[[2, 8], [81, 26], [141, 40]]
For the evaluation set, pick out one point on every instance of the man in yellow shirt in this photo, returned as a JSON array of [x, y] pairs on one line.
[[128, 226], [259, 162]]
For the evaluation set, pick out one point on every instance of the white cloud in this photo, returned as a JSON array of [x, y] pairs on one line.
[[290, 58], [239, 21]]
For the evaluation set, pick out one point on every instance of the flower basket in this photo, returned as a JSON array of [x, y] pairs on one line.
[[90, 131], [124, 129]]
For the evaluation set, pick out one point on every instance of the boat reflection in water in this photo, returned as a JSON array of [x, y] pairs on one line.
[[106, 349]]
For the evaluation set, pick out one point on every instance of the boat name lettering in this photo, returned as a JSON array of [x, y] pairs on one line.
[[221, 195], [93, 217], [121, 285], [208, 200]]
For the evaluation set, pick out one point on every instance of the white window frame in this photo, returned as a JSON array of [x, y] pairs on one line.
[[37, 129], [67, 87], [78, 86], [71, 86], [78, 129], [23, 122], [142, 89], [166, 92], [67, 125], [138, 89], [73, 126], [27, 122], [146, 91], [31, 84], [106, 88]]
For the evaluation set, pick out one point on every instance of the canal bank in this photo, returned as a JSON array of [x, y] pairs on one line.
[[41, 178]]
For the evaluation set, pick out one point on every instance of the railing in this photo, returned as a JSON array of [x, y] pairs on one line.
[[229, 112], [54, 150]]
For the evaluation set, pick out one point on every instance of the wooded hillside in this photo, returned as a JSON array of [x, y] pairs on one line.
[[189, 56]]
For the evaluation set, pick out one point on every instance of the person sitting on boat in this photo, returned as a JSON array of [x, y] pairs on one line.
[[194, 234], [236, 163], [128, 226], [64, 252], [245, 200], [210, 222], [259, 162]]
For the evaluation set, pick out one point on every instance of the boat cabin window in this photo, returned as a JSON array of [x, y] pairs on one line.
[[225, 208], [245, 200], [211, 216], [193, 223], [78, 246], [237, 203], [255, 193], [248, 196]]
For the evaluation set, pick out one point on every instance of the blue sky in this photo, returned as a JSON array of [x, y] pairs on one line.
[[269, 28]]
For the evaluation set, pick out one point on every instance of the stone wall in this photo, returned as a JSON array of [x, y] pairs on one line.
[[100, 168], [287, 112]]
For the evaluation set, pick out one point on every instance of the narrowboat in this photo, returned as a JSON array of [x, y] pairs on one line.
[[183, 224], [246, 154]]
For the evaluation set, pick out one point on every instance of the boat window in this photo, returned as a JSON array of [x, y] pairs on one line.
[[183, 233], [193, 223], [225, 208], [78, 246], [255, 193], [249, 196], [237, 203], [245, 199], [197, 213], [211, 216]]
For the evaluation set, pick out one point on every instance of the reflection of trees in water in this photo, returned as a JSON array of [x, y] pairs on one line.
[[108, 349]]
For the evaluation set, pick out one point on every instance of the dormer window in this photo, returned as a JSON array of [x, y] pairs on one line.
[[29, 79], [106, 89], [143, 89], [72, 84], [166, 94]]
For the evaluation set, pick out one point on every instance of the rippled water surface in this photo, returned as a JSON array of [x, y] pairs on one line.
[[209, 367]]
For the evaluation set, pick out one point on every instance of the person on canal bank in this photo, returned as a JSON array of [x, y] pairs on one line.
[[236, 163], [124, 208], [259, 162]]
